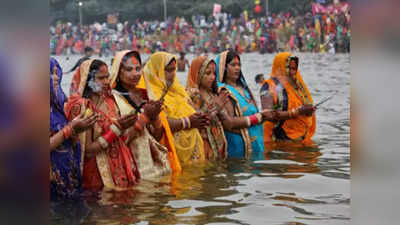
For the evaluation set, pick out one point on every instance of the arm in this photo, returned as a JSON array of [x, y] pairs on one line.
[[175, 124], [56, 140], [156, 129]]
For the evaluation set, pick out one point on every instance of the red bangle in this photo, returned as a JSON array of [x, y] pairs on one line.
[[67, 132], [253, 119], [109, 136]]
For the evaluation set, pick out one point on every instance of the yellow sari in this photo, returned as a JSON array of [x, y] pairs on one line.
[[188, 143], [301, 128]]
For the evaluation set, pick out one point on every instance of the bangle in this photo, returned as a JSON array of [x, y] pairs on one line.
[[109, 136], [141, 122], [103, 143], [67, 131], [248, 121], [255, 119], [183, 123], [116, 130], [187, 122]]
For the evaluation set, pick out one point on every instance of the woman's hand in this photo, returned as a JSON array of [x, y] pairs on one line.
[[152, 109], [127, 121], [306, 110], [80, 124], [222, 99], [199, 120]]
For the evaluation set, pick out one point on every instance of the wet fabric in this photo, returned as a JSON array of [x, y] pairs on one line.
[[65, 160], [215, 145], [188, 143], [286, 97], [250, 142], [115, 168], [150, 165]]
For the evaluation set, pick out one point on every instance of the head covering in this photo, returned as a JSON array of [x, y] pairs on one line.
[[125, 106], [196, 71], [116, 65], [57, 99], [153, 80], [188, 143], [302, 125], [80, 77]]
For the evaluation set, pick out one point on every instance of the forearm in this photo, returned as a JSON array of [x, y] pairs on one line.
[[56, 140], [156, 129], [175, 124]]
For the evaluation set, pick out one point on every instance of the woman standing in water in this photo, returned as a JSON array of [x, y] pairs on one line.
[[107, 160], [65, 150], [202, 88], [285, 90], [159, 79], [152, 157]]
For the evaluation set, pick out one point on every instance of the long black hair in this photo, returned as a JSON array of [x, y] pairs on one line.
[[94, 68]]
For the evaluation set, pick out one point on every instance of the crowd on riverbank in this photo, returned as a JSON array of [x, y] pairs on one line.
[[311, 32]]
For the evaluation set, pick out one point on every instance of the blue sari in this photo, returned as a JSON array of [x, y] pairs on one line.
[[65, 159], [250, 139]]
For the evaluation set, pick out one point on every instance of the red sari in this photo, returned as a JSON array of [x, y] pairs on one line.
[[115, 167]]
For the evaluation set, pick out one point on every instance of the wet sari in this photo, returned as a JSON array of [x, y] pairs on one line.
[[114, 168], [286, 98], [215, 146], [188, 143], [249, 142], [153, 158], [65, 160]]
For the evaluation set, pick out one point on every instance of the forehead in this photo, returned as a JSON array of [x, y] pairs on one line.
[[103, 71], [172, 64], [131, 61]]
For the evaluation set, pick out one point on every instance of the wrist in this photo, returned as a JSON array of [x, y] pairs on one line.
[[141, 122]]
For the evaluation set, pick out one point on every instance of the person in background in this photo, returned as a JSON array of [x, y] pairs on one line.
[[182, 62], [88, 53]]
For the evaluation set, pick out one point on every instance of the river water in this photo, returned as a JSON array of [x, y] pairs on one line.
[[292, 185]]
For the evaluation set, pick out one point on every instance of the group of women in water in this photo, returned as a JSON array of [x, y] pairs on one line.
[[136, 121]]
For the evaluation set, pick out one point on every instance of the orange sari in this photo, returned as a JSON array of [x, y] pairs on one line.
[[113, 168], [301, 128]]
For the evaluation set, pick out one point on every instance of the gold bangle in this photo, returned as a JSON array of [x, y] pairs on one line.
[[183, 123], [115, 129], [103, 143], [259, 117]]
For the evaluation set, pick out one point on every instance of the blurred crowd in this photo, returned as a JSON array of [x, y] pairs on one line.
[[311, 32]]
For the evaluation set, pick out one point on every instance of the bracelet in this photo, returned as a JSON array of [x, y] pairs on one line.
[[187, 122], [103, 143], [109, 136], [67, 131], [116, 130], [255, 119], [248, 121], [141, 122]]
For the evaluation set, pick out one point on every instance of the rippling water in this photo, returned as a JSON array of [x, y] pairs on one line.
[[293, 185]]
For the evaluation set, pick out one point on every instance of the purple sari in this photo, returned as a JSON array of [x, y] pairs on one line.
[[65, 159]]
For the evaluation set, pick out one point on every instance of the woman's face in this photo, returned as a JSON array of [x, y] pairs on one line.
[[130, 72], [55, 79], [170, 72], [293, 68], [208, 78], [101, 79], [233, 70]]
